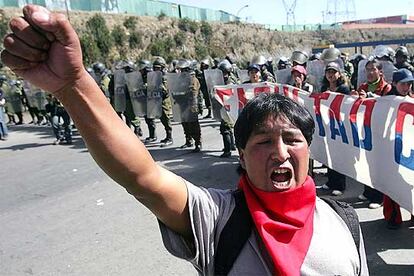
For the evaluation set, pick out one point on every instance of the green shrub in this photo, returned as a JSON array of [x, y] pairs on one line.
[[96, 26], [130, 23], [187, 25], [162, 16], [135, 40], [206, 30], [90, 50], [162, 47], [201, 50], [3, 24], [180, 38], [119, 36]]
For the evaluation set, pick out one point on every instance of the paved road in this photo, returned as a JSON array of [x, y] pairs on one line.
[[61, 215]]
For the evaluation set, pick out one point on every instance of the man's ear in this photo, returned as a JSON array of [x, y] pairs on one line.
[[241, 159]]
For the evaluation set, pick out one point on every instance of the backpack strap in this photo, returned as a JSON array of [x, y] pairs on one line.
[[235, 234]]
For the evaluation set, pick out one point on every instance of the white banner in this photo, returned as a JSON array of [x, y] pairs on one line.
[[370, 140]]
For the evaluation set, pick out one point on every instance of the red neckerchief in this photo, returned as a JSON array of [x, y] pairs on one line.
[[284, 221]]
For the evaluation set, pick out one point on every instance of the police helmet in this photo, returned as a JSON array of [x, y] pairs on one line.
[[401, 51], [183, 64], [300, 57], [259, 60], [383, 51], [144, 64], [225, 66], [316, 56], [205, 61], [3, 78], [159, 62], [129, 65], [330, 54], [89, 70], [98, 67]]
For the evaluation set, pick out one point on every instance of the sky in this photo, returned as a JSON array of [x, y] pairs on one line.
[[306, 11]]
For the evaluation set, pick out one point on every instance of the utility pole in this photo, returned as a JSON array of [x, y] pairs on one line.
[[290, 12]]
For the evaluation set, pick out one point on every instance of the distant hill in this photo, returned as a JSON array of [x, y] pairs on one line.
[[176, 38]]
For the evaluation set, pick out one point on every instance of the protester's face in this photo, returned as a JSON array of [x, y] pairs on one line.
[[297, 76], [373, 74], [332, 75], [403, 88], [276, 156], [254, 75]]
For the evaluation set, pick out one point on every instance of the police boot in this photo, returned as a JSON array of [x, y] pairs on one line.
[[152, 137], [232, 143], [168, 140], [208, 116], [227, 145], [138, 131], [198, 147]]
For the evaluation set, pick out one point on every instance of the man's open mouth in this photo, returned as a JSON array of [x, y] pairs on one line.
[[281, 175]]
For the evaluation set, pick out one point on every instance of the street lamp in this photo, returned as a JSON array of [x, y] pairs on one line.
[[237, 14]]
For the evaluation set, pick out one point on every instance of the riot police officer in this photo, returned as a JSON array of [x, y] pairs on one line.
[[192, 129], [226, 127], [204, 65], [299, 58], [144, 66], [102, 77], [402, 59], [159, 65]]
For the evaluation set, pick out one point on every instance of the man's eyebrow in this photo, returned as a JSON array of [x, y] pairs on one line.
[[264, 130]]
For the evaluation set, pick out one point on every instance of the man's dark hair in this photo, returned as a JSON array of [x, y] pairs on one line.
[[265, 105], [375, 62]]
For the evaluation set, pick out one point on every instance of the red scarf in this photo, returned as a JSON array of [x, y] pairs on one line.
[[284, 221]]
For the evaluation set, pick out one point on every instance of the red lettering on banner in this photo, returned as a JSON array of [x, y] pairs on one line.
[[335, 108], [403, 110], [242, 97], [317, 97], [224, 92], [369, 106], [276, 89], [261, 89]]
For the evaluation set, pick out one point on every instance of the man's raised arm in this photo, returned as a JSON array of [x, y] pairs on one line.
[[44, 49]]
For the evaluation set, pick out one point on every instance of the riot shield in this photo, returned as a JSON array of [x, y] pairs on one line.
[[31, 92], [13, 98], [283, 76], [388, 70], [154, 94], [243, 75], [362, 75], [214, 77], [136, 91], [182, 98], [316, 72], [119, 91]]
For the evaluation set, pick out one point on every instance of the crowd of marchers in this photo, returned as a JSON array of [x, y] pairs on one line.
[[384, 72]]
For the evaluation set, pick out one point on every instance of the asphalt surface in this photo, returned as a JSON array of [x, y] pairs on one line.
[[61, 215]]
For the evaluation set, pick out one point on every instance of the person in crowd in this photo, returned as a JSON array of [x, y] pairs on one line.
[[254, 74], [159, 64], [192, 129], [298, 78], [60, 121], [261, 61], [283, 63], [144, 67], [348, 66], [204, 65], [335, 81], [226, 126], [290, 230], [402, 85], [376, 86], [4, 132], [402, 59]]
